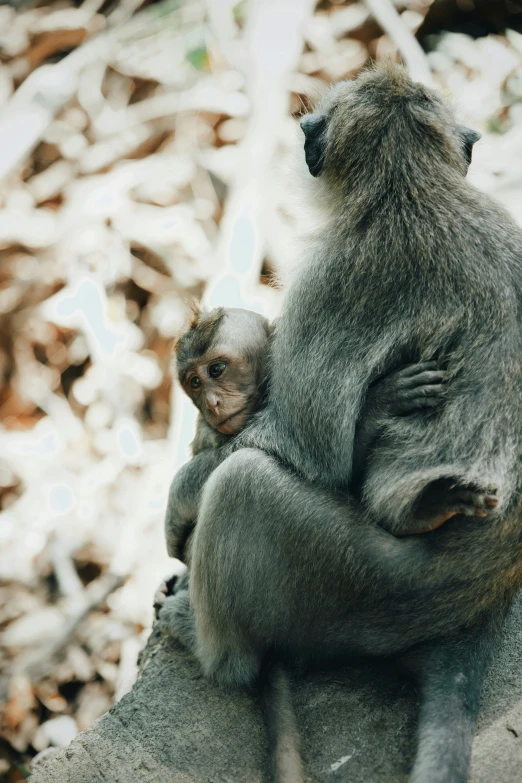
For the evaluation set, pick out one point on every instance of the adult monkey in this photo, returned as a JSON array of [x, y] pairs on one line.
[[414, 263]]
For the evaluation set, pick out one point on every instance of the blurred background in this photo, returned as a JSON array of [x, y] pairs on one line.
[[144, 154]]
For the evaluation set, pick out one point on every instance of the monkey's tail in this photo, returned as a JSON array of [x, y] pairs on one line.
[[283, 735]]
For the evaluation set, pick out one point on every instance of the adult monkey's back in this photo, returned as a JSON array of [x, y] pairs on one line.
[[414, 263]]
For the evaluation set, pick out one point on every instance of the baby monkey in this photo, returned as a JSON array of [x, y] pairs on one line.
[[221, 363]]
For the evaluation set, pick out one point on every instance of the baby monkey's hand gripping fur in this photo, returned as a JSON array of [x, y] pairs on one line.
[[416, 388]]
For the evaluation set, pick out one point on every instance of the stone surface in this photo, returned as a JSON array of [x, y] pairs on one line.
[[357, 724]]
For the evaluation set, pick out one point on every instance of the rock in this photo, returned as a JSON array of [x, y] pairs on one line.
[[357, 724]]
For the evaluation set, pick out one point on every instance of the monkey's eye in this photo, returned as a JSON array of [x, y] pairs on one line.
[[216, 369], [195, 383]]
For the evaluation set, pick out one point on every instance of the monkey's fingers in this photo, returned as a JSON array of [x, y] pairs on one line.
[[420, 398], [427, 390], [433, 526], [166, 588], [425, 378], [160, 596], [468, 502], [419, 404], [415, 369]]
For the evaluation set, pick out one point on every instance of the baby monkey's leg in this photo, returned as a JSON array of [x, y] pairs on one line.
[[420, 387]]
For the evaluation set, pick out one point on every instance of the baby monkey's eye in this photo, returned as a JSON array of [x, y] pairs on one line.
[[195, 382], [216, 369]]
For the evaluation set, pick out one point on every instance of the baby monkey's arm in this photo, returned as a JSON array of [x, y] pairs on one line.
[[184, 498]]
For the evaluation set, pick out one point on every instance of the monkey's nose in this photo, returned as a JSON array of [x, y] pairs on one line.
[[213, 403]]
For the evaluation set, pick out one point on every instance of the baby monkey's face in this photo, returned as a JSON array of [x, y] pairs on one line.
[[224, 382], [223, 386]]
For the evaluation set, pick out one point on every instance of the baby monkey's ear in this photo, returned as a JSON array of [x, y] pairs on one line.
[[190, 321], [195, 311], [314, 128]]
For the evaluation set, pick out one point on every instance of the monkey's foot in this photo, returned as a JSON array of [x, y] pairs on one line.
[[168, 587], [443, 501], [176, 619], [469, 502]]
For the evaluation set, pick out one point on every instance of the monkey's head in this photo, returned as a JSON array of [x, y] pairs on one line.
[[383, 118], [220, 362]]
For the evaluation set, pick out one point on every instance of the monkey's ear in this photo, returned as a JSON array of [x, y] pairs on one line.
[[469, 137], [314, 129], [195, 312]]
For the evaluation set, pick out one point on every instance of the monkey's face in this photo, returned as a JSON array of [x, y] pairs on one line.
[[221, 366], [351, 125], [225, 389]]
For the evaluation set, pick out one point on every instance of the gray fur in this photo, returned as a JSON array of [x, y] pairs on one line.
[[187, 485], [415, 264]]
